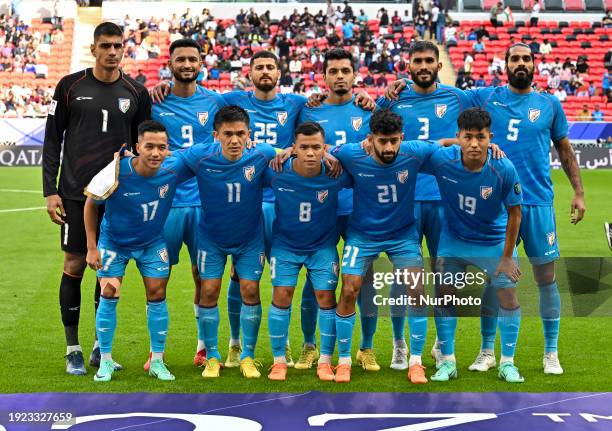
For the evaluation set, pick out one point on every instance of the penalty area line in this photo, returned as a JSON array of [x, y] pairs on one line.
[[15, 210], [20, 191]]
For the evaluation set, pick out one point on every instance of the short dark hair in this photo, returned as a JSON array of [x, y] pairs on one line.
[[474, 119], [385, 122], [230, 114], [265, 54], [422, 46], [309, 128], [151, 126], [185, 43], [524, 45], [107, 29], [337, 54]]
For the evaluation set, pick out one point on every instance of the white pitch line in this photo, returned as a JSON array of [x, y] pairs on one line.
[[15, 210], [20, 191]]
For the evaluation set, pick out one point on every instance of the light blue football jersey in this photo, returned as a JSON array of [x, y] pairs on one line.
[[189, 121], [524, 125], [475, 202], [305, 208], [383, 194], [428, 116], [230, 191], [135, 213]]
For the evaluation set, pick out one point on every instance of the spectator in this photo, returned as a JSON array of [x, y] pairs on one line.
[[468, 62], [581, 65], [495, 10], [545, 47], [383, 17], [295, 65], [141, 78], [381, 81], [420, 22], [348, 11], [479, 46], [560, 94], [534, 45], [362, 18], [482, 33], [592, 89], [347, 30], [535, 14], [608, 59], [605, 83], [433, 19], [441, 23], [544, 68], [496, 81], [480, 82], [368, 80], [585, 114], [165, 74], [450, 36], [607, 20], [554, 81], [597, 115], [508, 15]]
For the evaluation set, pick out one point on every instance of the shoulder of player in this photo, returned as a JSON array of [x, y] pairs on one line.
[[295, 99], [133, 85], [501, 167], [205, 93], [266, 151]]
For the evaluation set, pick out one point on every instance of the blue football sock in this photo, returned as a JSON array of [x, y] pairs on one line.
[[446, 323], [509, 324], [398, 313], [157, 322], [209, 326], [196, 309], [278, 325], [327, 327], [417, 327], [309, 311], [488, 317], [550, 311], [344, 334], [250, 319], [106, 323], [368, 314], [234, 304]]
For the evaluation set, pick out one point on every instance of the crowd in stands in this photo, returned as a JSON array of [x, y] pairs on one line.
[[379, 45]]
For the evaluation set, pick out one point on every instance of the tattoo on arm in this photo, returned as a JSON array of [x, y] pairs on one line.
[[570, 164]]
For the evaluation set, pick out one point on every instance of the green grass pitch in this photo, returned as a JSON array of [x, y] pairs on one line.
[[32, 340]]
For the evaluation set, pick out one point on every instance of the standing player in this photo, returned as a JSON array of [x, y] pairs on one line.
[[304, 234], [188, 114], [132, 228], [382, 221], [343, 122], [93, 113], [430, 111], [482, 198], [524, 122], [230, 180]]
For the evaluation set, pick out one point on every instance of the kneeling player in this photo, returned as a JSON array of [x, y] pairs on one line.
[[230, 180], [304, 234], [132, 229], [482, 203]]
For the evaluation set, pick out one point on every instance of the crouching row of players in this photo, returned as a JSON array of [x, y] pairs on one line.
[[481, 194]]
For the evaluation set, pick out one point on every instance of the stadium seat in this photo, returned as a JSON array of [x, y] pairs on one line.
[[473, 4]]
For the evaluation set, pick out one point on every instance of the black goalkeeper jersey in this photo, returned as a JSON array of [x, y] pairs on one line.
[[92, 119]]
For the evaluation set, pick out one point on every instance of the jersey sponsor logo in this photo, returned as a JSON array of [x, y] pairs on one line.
[[500, 104], [126, 194], [251, 111], [365, 175], [402, 176], [550, 236], [403, 106], [52, 107], [203, 118], [249, 172], [124, 105], [322, 195], [163, 190], [163, 255], [517, 188], [534, 114], [213, 170], [282, 117], [322, 121], [486, 191], [356, 122], [444, 177], [165, 114], [84, 98], [440, 109], [282, 189]]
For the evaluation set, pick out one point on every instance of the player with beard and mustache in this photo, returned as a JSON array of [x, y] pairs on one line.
[[187, 113], [273, 119], [524, 122], [430, 111]]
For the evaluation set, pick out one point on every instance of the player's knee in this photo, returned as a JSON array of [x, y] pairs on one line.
[[349, 293], [249, 290], [156, 292], [74, 264], [508, 298], [282, 296], [109, 287], [544, 274]]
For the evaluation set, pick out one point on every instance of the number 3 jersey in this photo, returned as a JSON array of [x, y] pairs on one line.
[[475, 202], [189, 121], [135, 213], [383, 194], [523, 125]]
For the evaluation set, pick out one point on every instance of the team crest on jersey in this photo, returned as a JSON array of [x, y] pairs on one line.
[[534, 114], [402, 176], [335, 268], [163, 190], [163, 255], [485, 191], [249, 172], [440, 109], [282, 117], [551, 238], [356, 122], [203, 117], [322, 195], [517, 188], [124, 105]]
